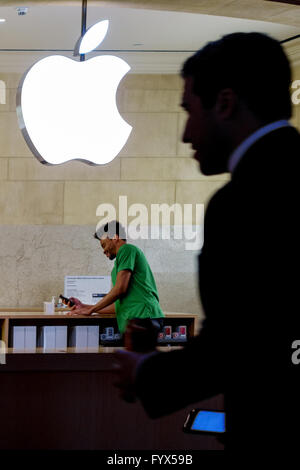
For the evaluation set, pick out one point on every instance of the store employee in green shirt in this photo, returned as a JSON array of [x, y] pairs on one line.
[[134, 293]]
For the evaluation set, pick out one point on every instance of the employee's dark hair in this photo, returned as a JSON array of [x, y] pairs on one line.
[[111, 229], [252, 64]]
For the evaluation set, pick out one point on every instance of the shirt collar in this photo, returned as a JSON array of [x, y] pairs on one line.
[[238, 153]]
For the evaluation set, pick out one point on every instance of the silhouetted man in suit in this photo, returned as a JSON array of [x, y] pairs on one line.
[[238, 104]]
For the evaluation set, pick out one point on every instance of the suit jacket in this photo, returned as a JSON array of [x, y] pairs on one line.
[[248, 276]]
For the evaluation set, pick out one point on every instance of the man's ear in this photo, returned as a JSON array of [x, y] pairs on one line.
[[226, 103]]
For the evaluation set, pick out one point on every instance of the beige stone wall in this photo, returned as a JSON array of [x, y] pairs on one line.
[[153, 167], [48, 214]]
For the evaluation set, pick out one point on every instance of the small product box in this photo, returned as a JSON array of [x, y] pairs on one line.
[[61, 337], [18, 338], [79, 337], [160, 337], [46, 338], [182, 332], [49, 308], [93, 337], [167, 332], [53, 338], [24, 338], [85, 337], [175, 336], [30, 338], [110, 333]]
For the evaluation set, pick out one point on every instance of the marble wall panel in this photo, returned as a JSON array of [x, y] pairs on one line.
[[156, 169], [11, 80], [150, 101], [153, 135], [3, 168], [35, 259], [12, 143], [23, 169], [31, 202], [167, 169], [152, 82], [83, 198], [191, 192]]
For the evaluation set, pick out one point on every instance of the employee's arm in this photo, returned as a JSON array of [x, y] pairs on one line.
[[118, 291], [109, 309], [84, 309]]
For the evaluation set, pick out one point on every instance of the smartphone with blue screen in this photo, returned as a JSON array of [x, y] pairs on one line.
[[205, 422]]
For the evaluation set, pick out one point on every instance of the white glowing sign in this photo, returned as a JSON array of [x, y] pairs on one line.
[[67, 109], [93, 37]]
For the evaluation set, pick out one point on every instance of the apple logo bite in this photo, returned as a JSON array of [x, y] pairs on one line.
[[67, 109]]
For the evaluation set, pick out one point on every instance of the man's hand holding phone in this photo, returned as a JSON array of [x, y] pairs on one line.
[[78, 308]]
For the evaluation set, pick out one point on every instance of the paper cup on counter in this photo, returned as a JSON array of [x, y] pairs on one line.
[[48, 307]]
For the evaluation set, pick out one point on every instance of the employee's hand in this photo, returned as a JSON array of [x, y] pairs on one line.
[[77, 310], [76, 302]]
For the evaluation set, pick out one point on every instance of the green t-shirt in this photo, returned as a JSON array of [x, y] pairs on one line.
[[141, 299]]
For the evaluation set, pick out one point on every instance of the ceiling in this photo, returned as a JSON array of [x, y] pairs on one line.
[[151, 41]]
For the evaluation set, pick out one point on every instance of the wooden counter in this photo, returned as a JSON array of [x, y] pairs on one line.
[[25, 317], [69, 401]]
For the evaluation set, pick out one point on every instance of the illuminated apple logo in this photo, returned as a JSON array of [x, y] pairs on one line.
[[67, 109]]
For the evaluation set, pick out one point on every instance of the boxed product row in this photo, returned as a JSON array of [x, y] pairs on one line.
[[167, 335], [28, 338]]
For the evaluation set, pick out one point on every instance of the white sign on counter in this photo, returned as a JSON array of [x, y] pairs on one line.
[[88, 289]]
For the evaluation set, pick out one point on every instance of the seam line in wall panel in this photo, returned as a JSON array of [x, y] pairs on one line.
[[150, 112], [177, 134], [118, 181], [139, 156], [121, 179], [63, 208]]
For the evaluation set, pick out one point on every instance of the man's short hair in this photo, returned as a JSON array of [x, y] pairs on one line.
[[252, 64], [110, 230]]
